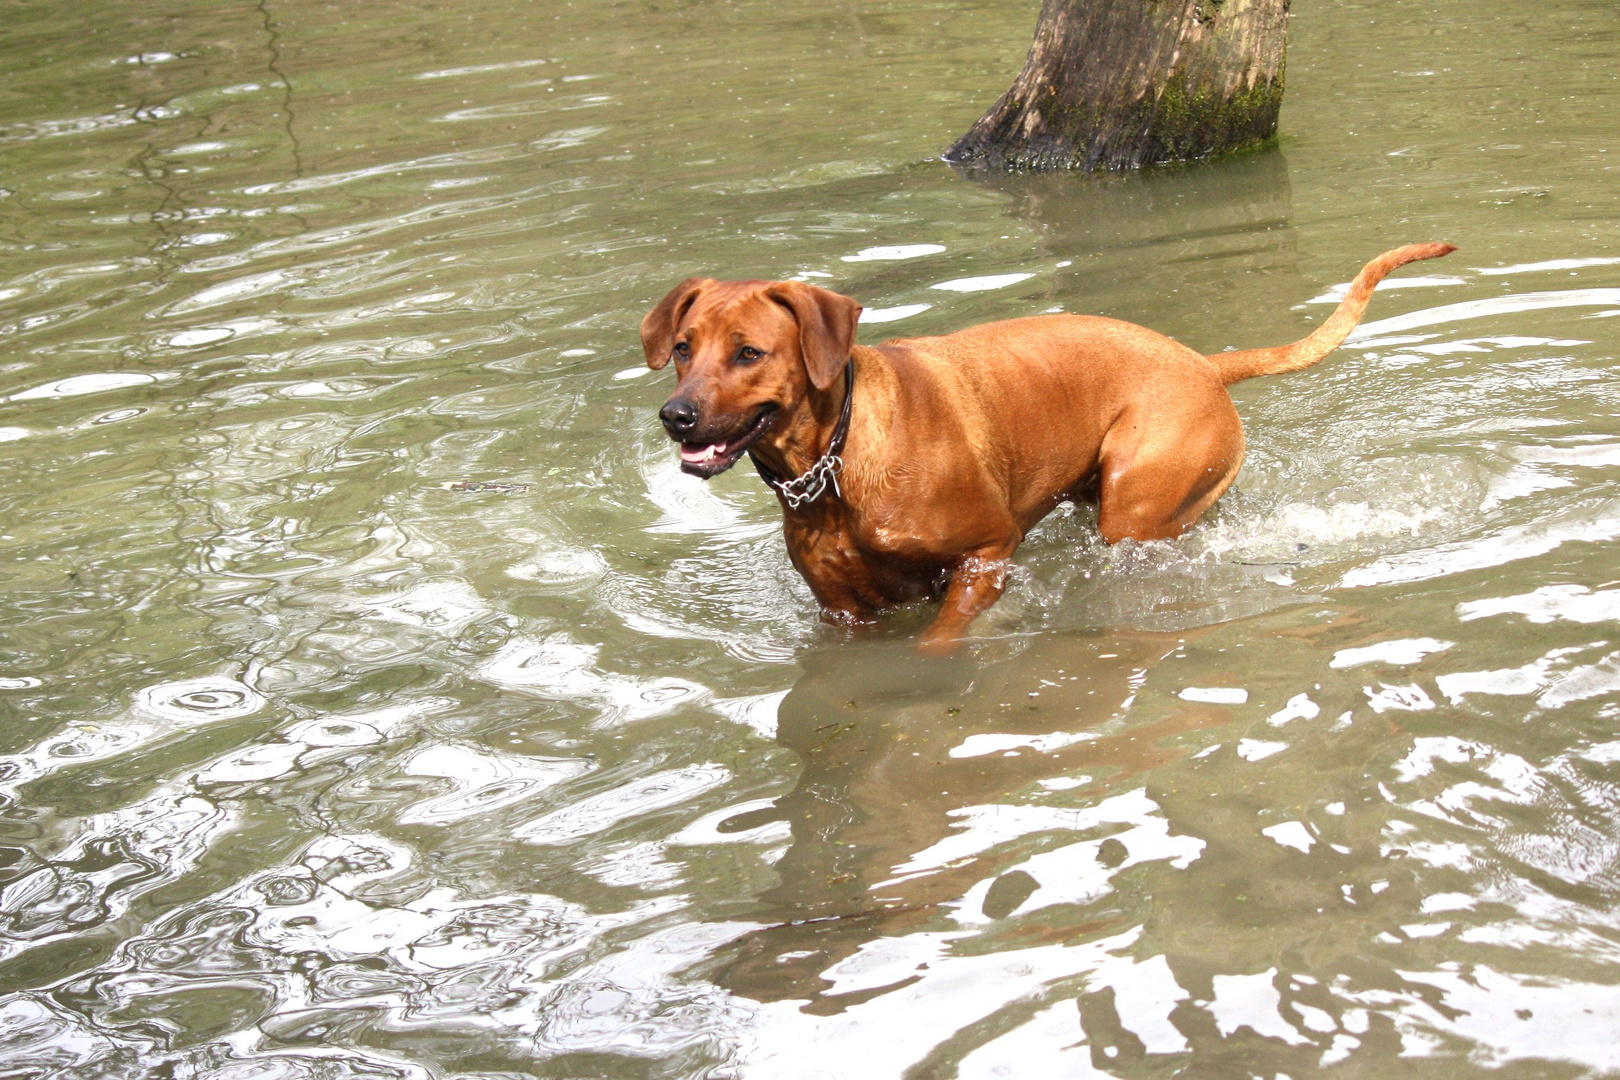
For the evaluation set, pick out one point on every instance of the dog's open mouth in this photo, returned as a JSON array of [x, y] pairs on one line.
[[709, 459]]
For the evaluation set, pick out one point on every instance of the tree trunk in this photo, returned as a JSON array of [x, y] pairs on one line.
[[1115, 84]]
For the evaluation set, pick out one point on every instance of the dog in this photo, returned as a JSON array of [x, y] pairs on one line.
[[912, 469]]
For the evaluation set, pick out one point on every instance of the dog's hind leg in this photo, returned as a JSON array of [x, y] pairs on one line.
[[1154, 488]]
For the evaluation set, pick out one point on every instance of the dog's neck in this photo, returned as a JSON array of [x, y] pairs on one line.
[[804, 433]]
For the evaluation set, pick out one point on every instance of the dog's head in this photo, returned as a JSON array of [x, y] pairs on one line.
[[746, 353]]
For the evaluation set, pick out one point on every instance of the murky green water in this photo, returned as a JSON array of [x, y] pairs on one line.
[[377, 700]]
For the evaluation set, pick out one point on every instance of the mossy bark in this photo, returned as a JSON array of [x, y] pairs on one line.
[[1116, 84]]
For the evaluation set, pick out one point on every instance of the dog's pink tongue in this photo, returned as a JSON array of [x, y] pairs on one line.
[[702, 453]]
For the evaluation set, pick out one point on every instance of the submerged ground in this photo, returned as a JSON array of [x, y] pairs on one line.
[[377, 699]]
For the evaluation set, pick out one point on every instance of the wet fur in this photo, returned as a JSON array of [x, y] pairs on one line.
[[959, 444]]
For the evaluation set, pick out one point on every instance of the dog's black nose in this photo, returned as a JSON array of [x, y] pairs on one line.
[[679, 416]]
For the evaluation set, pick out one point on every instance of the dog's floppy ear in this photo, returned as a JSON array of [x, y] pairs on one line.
[[826, 327], [658, 328]]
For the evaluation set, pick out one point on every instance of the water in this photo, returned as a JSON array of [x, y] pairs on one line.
[[379, 701]]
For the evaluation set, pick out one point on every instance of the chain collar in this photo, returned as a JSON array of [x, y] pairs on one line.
[[808, 488], [813, 483]]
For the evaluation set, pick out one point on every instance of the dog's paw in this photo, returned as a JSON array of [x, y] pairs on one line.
[[940, 645]]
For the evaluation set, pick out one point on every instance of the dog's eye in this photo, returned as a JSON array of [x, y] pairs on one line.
[[748, 354], [682, 350]]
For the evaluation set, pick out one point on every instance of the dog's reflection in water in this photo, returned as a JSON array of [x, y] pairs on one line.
[[891, 743]]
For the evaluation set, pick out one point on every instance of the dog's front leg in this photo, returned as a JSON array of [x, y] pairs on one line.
[[976, 583]]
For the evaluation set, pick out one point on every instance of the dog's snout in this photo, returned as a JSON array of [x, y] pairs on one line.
[[679, 415]]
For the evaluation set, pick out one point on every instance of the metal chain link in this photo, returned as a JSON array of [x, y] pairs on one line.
[[810, 486]]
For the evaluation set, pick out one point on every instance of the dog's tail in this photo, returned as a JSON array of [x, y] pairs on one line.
[[1302, 354]]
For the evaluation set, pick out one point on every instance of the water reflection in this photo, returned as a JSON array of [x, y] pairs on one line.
[[1214, 246], [921, 785]]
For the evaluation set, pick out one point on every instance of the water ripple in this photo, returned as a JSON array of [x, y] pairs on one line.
[[351, 589], [482, 781], [600, 812], [205, 700]]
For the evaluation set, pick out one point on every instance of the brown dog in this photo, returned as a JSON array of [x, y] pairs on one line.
[[915, 467]]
